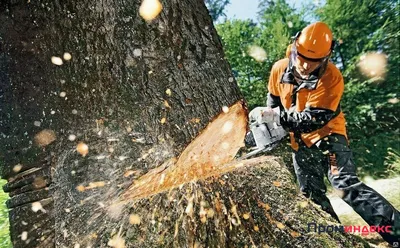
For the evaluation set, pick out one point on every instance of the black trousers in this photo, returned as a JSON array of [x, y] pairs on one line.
[[332, 156]]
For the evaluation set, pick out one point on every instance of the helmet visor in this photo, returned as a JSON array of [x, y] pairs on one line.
[[303, 67]]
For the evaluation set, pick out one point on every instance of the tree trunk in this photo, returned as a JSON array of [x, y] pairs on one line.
[[94, 146]]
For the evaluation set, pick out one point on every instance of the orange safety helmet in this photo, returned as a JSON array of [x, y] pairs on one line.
[[315, 41]]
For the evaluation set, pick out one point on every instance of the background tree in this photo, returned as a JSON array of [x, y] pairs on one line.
[[216, 8], [239, 37], [4, 224], [277, 22]]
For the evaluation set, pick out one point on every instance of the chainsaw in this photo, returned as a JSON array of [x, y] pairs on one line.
[[263, 137]]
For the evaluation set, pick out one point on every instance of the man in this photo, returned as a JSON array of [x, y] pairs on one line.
[[307, 88]]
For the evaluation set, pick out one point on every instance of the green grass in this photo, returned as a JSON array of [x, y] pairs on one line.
[[4, 225]]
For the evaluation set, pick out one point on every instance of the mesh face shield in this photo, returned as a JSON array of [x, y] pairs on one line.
[[315, 74]]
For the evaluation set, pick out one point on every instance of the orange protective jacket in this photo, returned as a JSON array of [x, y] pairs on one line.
[[325, 95]]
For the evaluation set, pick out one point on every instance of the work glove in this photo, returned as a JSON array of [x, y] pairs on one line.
[[263, 115]]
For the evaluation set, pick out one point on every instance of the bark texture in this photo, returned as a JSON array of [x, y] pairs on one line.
[[125, 76], [136, 93]]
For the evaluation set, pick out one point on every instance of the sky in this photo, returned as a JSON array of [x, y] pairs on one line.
[[240, 9], [247, 9]]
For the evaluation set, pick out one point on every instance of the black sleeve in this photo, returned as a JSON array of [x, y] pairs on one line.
[[273, 101], [308, 120]]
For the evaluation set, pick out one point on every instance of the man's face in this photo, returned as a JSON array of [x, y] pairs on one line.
[[304, 66]]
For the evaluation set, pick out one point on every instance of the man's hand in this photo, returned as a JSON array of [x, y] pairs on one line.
[[263, 115]]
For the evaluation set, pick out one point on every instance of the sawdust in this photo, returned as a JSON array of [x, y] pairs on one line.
[[208, 154]]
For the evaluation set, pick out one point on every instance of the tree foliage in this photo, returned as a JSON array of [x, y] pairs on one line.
[[4, 226], [237, 37], [370, 103], [216, 8], [277, 23]]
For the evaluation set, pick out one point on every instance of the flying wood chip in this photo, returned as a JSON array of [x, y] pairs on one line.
[[17, 167], [24, 235], [207, 144], [294, 234], [80, 188], [116, 242], [39, 182], [56, 60], [277, 184], [150, 9], [134, 219], [45, 137], [82, 149], [36, 206], [280, 225], [67, 56], [93, 185], [128, 173]]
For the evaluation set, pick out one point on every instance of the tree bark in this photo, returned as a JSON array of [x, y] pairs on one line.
[[137, 94]]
